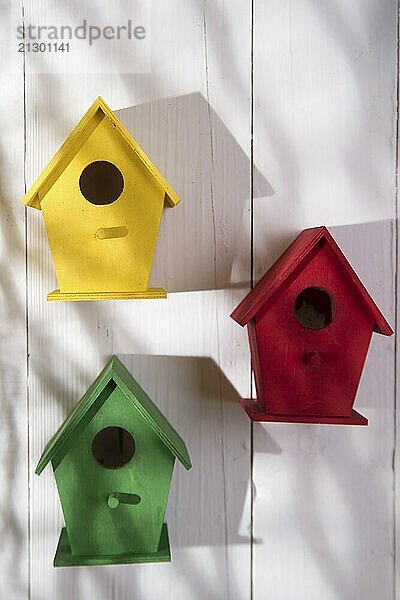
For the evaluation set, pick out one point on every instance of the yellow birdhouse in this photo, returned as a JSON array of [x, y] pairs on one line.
[[102, 201]]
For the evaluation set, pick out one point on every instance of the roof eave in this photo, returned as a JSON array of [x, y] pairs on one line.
[[241, 319], [57, 441], [248, 309], [171, 197], [184, 459], [32, 200], [32, 197], [383, 327], [42, 464]]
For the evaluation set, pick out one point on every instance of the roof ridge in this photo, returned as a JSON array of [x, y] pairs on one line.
[[116, 371], [70, 147], [303, 248]]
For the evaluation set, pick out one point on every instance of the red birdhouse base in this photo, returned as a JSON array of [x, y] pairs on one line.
[[256, 412], [65, 558]]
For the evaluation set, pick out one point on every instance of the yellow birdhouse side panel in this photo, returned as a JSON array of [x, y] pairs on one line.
[[103, 247]]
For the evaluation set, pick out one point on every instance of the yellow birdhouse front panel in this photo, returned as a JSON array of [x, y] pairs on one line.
[[102, 201]]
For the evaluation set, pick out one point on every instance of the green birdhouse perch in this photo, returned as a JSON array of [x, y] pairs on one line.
[[113, 460]]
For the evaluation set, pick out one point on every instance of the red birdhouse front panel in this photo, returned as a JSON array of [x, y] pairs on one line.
[[309, 345]]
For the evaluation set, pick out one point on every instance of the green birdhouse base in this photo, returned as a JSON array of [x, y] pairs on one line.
[[65, 558]]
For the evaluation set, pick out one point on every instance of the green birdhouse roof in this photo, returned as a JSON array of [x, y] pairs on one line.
[[113, 373]]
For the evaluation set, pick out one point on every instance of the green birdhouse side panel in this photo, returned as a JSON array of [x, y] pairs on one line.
[[94, 524]]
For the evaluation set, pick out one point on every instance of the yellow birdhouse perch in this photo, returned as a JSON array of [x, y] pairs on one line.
[[102, 200]]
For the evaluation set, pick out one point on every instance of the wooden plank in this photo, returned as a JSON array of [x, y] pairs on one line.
[[207, 251], [14, 528], [332, 492], [322, 117], [323, 509], [396, 466]]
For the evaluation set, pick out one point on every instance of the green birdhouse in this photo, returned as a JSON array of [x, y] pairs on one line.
[[113, 460]]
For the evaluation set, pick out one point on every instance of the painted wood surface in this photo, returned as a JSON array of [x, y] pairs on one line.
[[307, 91], [310, 321], [14, 516], [114, 439], [192, 326], [336, 481], [100, 176], [325, 110]]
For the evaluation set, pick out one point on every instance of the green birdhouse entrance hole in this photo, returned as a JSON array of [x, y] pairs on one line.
[[113, 447]]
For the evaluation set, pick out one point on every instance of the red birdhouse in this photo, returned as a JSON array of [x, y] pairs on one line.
[[310, 322]]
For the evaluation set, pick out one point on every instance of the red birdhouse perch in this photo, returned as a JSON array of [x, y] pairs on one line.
[[310, 322]]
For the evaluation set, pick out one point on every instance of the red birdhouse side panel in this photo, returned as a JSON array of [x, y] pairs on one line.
[[255, 359], [304, 371]]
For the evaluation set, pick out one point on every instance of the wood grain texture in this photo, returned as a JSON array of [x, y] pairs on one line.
[[336, 486], [89, 462], [324, 151], [310, 322], [14, 518], [100, 175], [323, 384], [69, 342], [323, 506]]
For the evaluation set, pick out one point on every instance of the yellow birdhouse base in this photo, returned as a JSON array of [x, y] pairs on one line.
[[151, 293]]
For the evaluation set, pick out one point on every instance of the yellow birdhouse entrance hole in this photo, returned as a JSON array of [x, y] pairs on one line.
[[101, 182], [102, 201]]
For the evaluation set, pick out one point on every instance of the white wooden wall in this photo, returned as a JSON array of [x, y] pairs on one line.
[[266, 117]]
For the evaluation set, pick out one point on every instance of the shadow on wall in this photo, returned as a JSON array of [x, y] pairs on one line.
[[12, 407], [13, 415], [205, 506], [338, 475], [211, 173], [369, 247]]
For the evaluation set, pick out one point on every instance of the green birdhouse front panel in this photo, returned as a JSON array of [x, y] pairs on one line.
[[126, 457], [113, 460]]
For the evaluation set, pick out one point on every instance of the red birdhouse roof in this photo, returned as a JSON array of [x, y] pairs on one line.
[[290, 265]]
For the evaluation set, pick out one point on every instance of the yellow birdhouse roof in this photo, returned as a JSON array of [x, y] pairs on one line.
[[86, 126]]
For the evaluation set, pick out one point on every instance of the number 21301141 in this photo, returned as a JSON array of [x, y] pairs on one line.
[[43, 47]]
